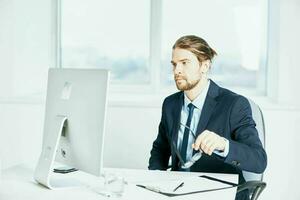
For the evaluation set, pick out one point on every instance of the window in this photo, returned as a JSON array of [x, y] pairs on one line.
[[134, 38], [107, 34], [237, 30]]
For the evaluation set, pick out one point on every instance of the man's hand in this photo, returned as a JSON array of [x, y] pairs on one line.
[[209, 141]]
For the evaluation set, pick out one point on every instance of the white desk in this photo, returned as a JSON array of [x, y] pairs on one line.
[[17, 183]]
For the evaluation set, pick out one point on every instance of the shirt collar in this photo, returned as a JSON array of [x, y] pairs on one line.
[[199, 101]]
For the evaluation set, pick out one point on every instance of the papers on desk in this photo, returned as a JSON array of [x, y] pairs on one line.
[[188, 185]]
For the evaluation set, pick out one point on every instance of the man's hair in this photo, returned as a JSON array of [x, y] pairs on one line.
[[197, 46]]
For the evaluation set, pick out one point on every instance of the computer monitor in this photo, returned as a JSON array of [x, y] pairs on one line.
[[74, 123]]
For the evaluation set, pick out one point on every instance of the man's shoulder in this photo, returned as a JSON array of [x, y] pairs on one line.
[[173, 98], [230, 96], [226, 93]]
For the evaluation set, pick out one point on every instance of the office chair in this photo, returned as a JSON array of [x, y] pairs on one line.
[[254, 182]]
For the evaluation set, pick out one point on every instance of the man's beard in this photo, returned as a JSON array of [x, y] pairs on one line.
[[188, 85]]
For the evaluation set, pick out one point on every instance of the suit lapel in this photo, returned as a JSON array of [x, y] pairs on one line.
[[208, 107], [176, 114], [177, 106]]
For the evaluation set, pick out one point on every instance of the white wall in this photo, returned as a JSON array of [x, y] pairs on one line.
[[288, 58], [20, 133], [130, 133], [6, 47], [282, 174], [25, 43]]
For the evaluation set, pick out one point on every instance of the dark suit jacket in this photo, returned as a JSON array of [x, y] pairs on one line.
[[225, 113]]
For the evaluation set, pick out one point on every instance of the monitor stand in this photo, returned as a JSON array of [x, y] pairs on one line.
[[44, 170]]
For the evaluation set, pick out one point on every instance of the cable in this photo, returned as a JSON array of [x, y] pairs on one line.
[[65, 171]]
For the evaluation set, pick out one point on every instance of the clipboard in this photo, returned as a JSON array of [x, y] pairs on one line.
[[221, 186]]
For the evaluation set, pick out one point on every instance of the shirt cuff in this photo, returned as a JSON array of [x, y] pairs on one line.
[[226, 150]]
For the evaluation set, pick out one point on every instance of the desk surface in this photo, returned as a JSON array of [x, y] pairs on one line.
[[17, 183]]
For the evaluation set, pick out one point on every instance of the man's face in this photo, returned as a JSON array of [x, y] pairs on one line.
[[186, 69]]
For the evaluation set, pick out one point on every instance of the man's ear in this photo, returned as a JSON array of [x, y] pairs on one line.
[[205, 65]]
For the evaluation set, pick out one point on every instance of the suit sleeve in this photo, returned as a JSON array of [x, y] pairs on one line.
[[161, 151], [245, 148]]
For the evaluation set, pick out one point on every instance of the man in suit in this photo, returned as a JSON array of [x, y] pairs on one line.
[[205, 117]]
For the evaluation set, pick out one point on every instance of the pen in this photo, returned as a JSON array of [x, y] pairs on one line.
[[180, 185], [153, 189]]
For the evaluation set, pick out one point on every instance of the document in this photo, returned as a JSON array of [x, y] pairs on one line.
[[185, 186]]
